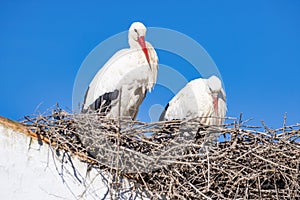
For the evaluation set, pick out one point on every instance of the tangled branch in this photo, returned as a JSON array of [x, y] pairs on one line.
[[180, 159]]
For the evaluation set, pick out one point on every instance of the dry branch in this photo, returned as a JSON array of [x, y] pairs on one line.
[[174, 163]]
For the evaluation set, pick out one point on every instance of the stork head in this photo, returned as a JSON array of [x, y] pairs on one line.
[[136, 38], [215, 86]]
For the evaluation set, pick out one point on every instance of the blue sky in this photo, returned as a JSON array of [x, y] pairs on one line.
[[255, 44]]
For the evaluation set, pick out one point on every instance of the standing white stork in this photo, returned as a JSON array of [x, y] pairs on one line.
[[204, 98], [120, 86]]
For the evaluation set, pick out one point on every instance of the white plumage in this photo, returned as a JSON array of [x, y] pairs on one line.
[[125, 78], [204, 98]]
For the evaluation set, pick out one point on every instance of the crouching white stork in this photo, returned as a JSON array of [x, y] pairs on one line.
[[203, 98], [120, 86]]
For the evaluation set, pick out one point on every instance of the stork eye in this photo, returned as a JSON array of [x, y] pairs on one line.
[[135, 30]]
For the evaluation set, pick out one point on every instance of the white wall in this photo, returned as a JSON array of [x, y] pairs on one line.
[[29, 170]]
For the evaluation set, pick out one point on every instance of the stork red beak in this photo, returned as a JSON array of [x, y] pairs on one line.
[[141, 41], [215, 98]]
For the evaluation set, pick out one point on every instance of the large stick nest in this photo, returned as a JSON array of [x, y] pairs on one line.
[[180, 159]]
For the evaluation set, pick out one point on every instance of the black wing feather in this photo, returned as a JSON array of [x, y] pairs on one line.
[[103, 103], [162, 116]]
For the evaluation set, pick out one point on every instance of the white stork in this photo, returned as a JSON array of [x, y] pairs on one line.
[[203, 98], [120, 86]]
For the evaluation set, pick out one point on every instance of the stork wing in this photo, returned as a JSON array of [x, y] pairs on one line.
[[190, 102], [103, 103]]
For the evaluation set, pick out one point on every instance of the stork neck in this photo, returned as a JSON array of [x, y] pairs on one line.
[[133, 44]]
